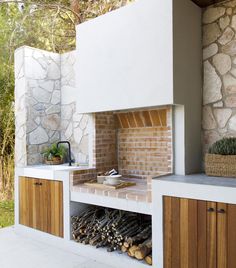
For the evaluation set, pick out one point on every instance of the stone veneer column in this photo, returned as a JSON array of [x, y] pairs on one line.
[[75, 127], [37, 103], [20, 110], [45, 106], [219, 55]]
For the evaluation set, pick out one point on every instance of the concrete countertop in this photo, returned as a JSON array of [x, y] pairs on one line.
[[200, 179], [49, 172]]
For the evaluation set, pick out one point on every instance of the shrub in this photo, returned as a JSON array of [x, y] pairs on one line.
[[225, 146]]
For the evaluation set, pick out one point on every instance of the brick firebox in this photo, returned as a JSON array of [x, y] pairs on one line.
[[138, 142]]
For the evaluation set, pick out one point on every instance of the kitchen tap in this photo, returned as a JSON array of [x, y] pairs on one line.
[[69, 150]]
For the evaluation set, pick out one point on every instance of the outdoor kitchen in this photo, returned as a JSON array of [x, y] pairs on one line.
[[131, 191], [117, 143]]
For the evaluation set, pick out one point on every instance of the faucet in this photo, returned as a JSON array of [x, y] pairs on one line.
[[69, 150]]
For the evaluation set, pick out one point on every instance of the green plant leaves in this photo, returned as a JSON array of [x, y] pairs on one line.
[[225, 146], [54, 151]]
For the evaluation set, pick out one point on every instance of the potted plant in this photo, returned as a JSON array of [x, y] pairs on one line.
[[221, 158], [54, 155]]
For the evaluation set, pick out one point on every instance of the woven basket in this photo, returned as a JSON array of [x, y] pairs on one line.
[[54, 161], [220, 165]]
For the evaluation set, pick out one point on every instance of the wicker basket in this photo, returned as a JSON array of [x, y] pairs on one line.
[[220, 165], [54, 161]]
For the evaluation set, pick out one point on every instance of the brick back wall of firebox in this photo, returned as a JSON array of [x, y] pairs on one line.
[[139, 143], [145, 143]]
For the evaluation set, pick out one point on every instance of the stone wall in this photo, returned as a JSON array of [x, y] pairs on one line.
[[74, 126], [37, 105], [219, 56], [45, 106]]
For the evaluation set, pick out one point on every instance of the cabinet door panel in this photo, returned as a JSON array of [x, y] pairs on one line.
[[184, 233], [222, 235], [211, 235], [28, 196], [41, 205], [231, 236], [202, 234], [56, 208], [188, 233], [171, 233]]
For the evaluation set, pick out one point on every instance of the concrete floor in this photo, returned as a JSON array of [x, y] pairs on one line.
[[20, 252]]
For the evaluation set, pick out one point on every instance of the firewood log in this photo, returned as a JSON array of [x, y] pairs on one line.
[[142, 236], [126, 244], [124, 249], [143, 249], [148, 259], [95, 240], [132, 250]]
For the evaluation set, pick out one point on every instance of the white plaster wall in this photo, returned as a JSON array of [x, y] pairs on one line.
[[146, 54], [187, 37], [125, 58]]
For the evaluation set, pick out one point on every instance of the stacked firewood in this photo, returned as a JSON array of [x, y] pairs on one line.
[[116, 230]]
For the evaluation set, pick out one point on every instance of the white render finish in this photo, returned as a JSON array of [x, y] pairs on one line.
[[143, 56], [187, 87], [198, 186], [140, 56], [125, 58]]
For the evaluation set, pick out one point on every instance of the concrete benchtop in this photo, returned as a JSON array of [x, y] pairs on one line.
[[201, 179], [49, 172]]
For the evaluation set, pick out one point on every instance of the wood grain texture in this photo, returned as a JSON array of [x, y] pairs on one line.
[[175, 247], [138, 119], [181, 231], [202, 234], [41, 205], [192, 233], [231, 236], [184, 233], [222, 236], [211, 236], [168, 241], [199, 234]]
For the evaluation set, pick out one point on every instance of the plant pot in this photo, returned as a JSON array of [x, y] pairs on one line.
[[220, 165], [54, 161]]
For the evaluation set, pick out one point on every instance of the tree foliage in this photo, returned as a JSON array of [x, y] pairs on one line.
[[44, 24]]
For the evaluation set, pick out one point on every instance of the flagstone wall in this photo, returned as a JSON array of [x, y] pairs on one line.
[[219, 66], [45, 107]]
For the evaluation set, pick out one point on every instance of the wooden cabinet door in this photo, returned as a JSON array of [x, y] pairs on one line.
[[199, 234], [28, 200], [226, 235], [41, 205], [188, 231], [52, 207]]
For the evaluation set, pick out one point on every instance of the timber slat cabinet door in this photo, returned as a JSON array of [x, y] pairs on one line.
[[41, 205], [199, 234]]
